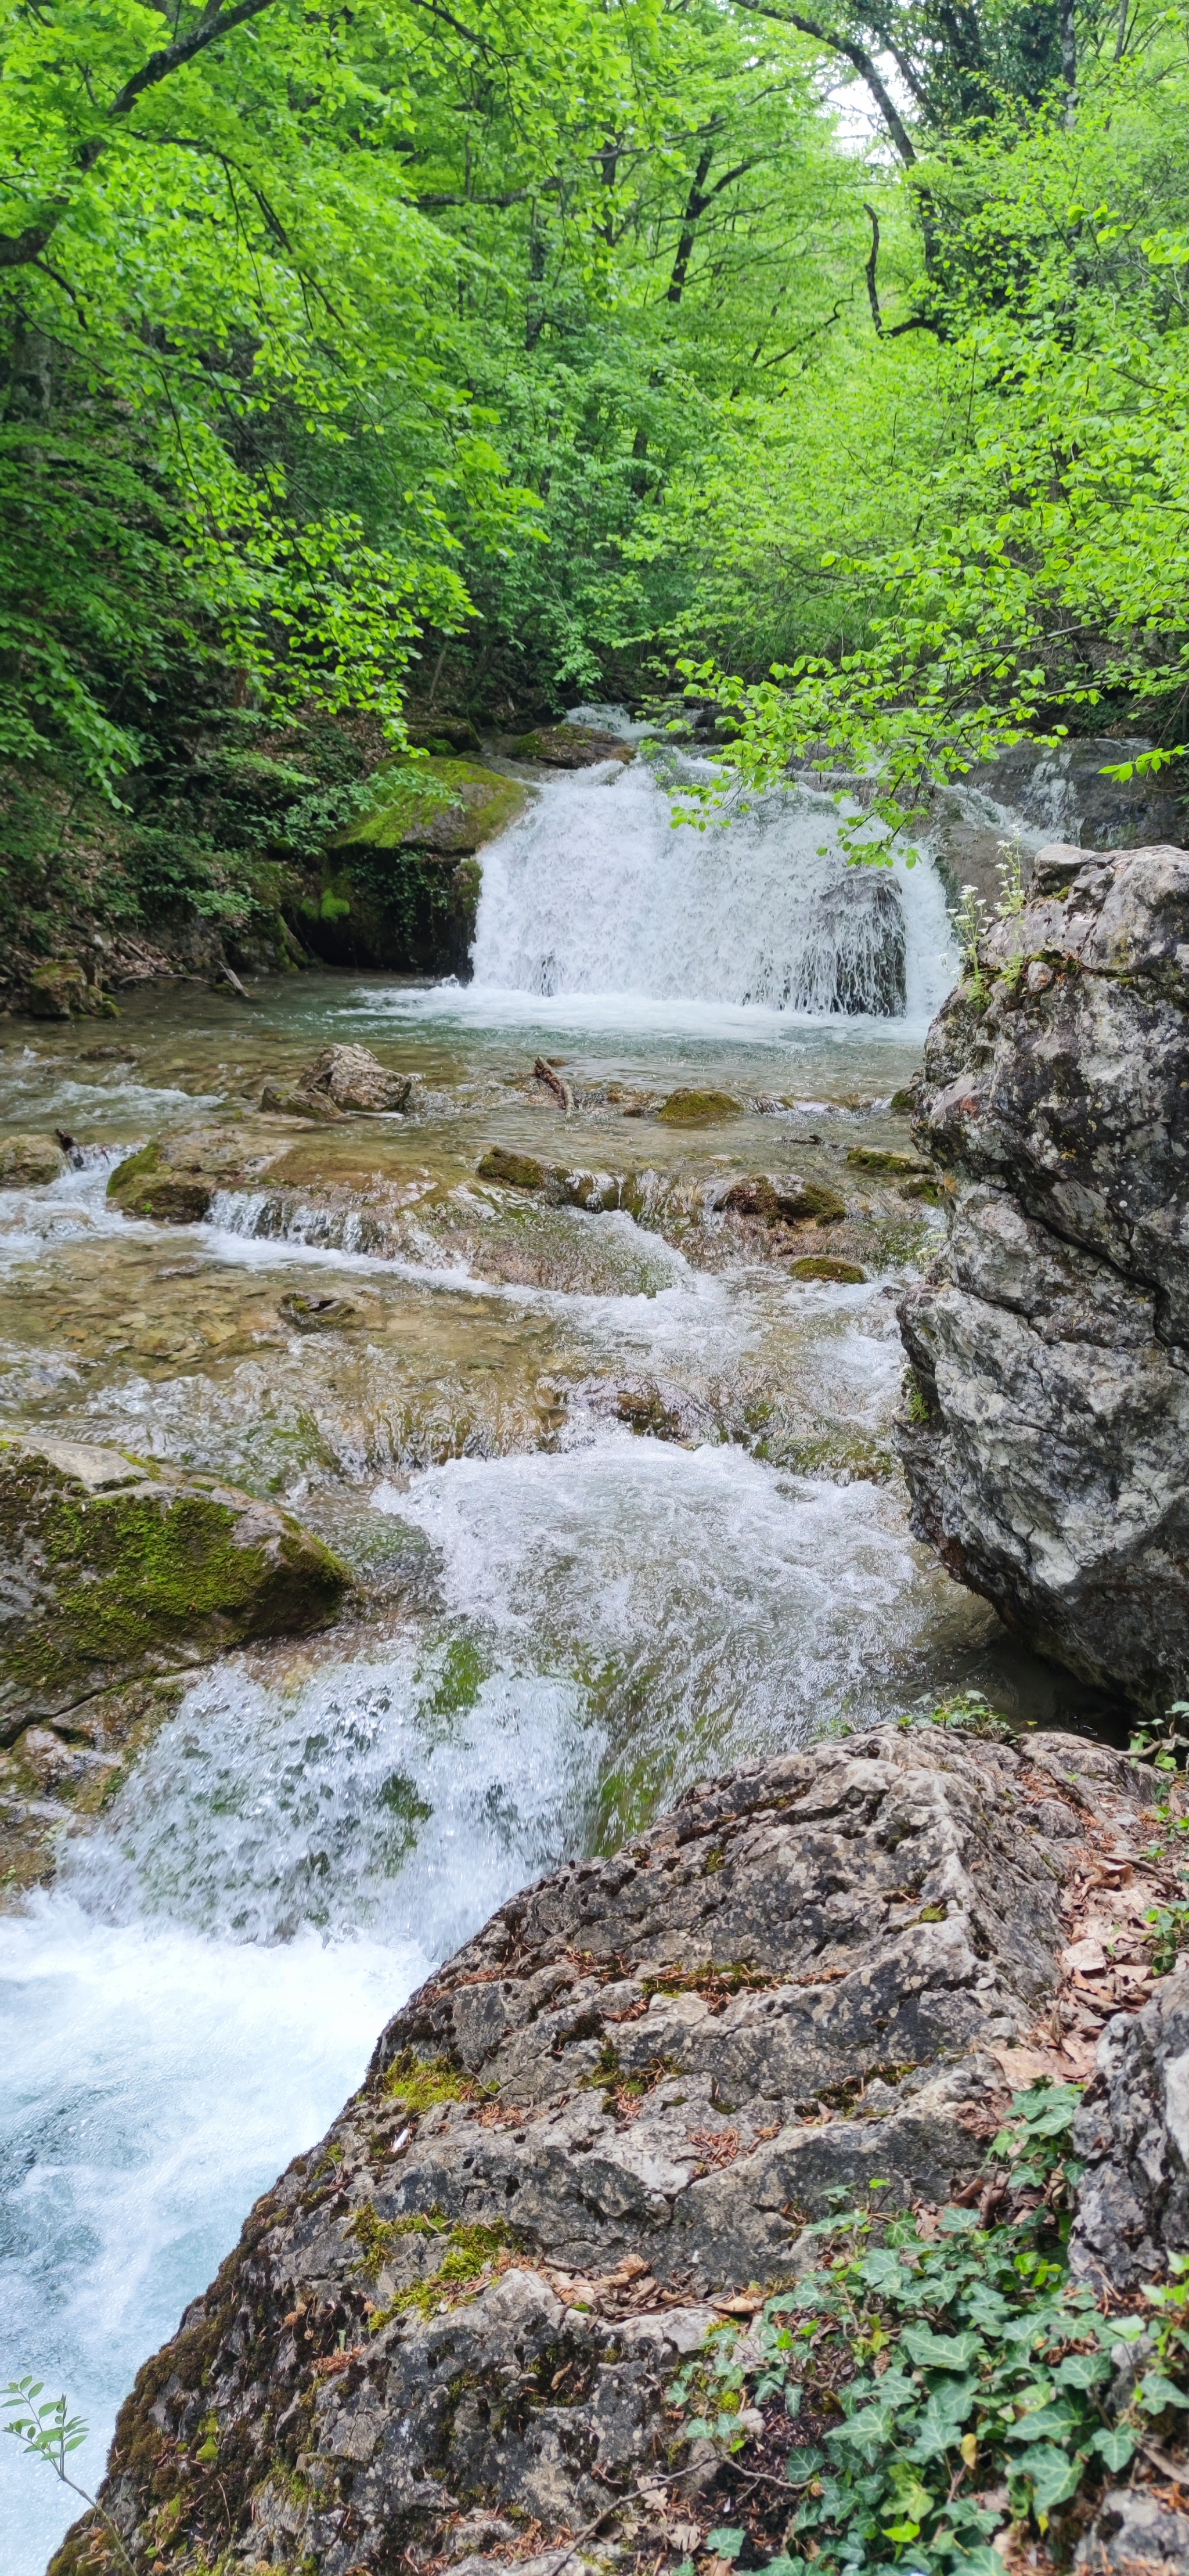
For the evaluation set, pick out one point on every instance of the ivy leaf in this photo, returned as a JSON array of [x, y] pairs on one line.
[[1115, 2445], [726, 2543], [940, 2352], [1155, 2392], [800, 2466], [1082, 2370], [1046, 2424], [1055, 2476]]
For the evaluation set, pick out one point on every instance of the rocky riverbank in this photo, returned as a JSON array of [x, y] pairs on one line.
[[605, 2129]]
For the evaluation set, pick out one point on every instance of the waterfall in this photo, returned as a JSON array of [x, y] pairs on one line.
[[594, 892]]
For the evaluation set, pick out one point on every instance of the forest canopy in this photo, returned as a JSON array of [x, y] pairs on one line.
[[493, 356]]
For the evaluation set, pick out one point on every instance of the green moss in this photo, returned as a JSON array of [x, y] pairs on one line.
[[699, 1108], [447, 805], [141, 1573], [915, 1405], [471, 2253], [823, 1265], [515, 1171], [876, 1158], [419, 2083]]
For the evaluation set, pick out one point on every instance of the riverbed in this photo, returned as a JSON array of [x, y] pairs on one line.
[[619, 1495]]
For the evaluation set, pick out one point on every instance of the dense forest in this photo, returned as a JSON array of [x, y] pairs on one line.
[[365, 364]]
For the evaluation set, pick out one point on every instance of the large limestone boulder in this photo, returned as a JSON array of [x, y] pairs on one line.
[[113, 1567], [458, 2316], [1047, 1425], [1133, 2130], [343, 1081]]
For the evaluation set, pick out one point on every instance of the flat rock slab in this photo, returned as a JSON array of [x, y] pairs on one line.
[[113, 1567], [609, 2112]]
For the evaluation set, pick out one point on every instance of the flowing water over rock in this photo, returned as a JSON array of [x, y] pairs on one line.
[[610, 1465]]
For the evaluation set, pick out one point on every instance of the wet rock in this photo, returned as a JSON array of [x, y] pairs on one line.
[[823, 1265], [59, 991], [28, 1162], [567, 746], [318, 1314], [175, 1179], [1134, 2533], [1049, 1402], [784, 1202], [614, 2106], [1133, 2130], [878, 1158], [341, 1081], [514, 1171], [699, 1108], [114, 1566]]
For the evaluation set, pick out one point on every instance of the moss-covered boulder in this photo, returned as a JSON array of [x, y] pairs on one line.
[[699, 1108], [175, 1178], [58, 990], [514, 1171], [400, 886], [29, 1162], [113, 1567]]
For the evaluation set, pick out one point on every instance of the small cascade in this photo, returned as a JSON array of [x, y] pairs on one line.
[[593, 891]]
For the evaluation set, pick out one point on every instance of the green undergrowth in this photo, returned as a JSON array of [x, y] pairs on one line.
[[420, 2083], [920, 2391], [470, 2254]]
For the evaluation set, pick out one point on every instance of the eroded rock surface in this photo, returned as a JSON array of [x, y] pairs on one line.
[[1133, 2130], [1045, 1442], [457, 2317]]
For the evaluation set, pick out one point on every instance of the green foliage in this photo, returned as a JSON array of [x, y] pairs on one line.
[[923, 2374], [51, 2433], [419, 2083]]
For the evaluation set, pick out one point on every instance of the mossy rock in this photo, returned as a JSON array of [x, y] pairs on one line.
[[926, 1186], [822, 1265], [877, 1158], [58, 990], [448, 806], [699, 1108], [116, 1567], [30, 1162], [515, 1171], [784, 1203], [174, 1179]]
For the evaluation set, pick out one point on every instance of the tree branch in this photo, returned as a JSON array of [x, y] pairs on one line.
[[873, 270], [17, 250], [855, 54]]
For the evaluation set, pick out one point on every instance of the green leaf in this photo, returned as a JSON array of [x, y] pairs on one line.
[[940, 2352], [727, 2542], [1055, 2476], [1156, 2391], [1115, 2445]]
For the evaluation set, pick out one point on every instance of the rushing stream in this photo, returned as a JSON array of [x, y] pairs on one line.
[[619, 1494]]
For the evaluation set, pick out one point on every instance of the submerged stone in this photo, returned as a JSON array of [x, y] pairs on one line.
[[699, 1108], [784, 1203], [115, 1567], [514, 1171], [29, 1162]]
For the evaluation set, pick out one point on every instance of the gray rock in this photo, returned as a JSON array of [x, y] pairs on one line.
[[1134, 2534], [616, 2104], [1133, 2130], [1046, 1432]]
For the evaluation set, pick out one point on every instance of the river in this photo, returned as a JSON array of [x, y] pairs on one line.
[[620, 1497]]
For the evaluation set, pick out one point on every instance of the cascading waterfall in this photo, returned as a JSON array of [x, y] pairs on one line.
[[594, 891]]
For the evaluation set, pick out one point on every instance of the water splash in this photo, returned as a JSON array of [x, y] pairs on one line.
[[594, 892]]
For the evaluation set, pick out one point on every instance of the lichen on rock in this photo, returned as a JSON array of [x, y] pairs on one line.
[[30, 1162]]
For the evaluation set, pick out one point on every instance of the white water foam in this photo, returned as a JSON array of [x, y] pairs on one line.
[[191, 2006], [593, 893]]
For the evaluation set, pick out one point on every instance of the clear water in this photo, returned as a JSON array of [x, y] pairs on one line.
[[563, 1622]]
